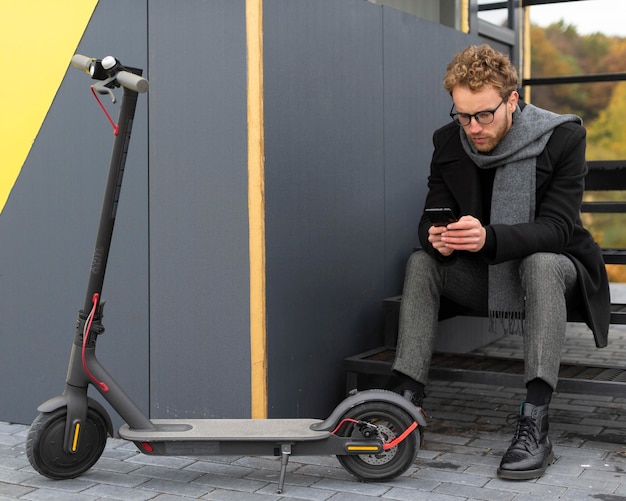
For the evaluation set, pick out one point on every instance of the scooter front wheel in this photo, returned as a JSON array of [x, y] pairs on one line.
[[44, 444], [389, 422]]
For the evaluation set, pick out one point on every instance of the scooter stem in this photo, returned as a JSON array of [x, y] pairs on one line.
[[77, 379], [111, 196]]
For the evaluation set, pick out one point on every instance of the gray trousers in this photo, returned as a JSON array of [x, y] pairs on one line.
[[549, 281]]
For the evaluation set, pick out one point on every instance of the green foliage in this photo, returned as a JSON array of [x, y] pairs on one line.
[[606, 135]]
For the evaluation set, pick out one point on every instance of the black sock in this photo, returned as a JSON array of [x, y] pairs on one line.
[[402, 382], [538, 392]]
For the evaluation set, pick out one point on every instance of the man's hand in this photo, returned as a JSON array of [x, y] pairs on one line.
[[466, 234]]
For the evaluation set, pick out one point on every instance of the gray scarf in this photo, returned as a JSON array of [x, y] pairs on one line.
[[513, 201]]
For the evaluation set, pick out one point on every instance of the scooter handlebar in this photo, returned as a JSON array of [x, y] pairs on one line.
[[123, 77]]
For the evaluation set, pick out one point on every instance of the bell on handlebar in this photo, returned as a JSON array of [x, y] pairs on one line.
[[101, 69], [105, 70], [111, 64]]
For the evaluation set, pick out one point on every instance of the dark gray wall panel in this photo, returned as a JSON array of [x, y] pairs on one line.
[[200, 341], [48, 230], [324, 194], [416, 54]]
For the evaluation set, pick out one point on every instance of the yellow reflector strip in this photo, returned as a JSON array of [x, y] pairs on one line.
[[75, 443], [363, 448]]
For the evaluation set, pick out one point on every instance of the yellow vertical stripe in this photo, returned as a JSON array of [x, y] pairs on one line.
[[465, 11], [37, 40], [256, 208]]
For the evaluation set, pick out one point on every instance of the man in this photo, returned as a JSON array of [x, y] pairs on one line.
[[514, 174]]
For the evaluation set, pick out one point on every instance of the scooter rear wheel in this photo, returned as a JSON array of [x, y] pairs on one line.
[[44, 444], [390, 422]]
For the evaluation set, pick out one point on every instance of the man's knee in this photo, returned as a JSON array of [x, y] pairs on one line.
[[545, 270], [421, 268], [543, 265], [421, 260]]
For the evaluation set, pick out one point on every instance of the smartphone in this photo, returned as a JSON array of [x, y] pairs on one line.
[[440, 216]]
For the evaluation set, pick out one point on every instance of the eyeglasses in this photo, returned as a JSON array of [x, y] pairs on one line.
[[482, 117]]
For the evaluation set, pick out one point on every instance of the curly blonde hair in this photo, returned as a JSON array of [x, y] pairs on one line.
[[478, 66]]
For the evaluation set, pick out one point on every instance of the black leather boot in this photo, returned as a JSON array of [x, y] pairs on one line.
[[530, 452]]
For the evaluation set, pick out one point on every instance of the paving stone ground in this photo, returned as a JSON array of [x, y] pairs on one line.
[[466, 436]]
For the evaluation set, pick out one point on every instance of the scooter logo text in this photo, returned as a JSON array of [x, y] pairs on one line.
[[96, 263]]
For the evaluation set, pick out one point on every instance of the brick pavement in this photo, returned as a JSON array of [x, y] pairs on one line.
[[466, 437]]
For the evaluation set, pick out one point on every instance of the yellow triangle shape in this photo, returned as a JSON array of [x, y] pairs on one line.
[[37, 41]]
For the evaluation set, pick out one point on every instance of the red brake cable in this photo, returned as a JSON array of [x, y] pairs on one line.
[[86, 333], [116, 127], [397, 440]]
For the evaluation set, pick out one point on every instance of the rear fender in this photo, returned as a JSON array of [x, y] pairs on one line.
[[368, 396]]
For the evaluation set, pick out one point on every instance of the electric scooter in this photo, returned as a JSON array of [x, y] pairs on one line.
[[375, 434]]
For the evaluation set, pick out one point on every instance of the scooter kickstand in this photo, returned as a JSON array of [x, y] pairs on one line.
[[285, 452]]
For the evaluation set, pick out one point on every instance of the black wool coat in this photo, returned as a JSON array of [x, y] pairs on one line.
[[454, 182]]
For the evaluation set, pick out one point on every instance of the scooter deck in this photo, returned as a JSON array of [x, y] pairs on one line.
[[223, 430]]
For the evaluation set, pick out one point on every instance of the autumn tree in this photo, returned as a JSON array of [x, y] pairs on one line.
[[559, 50], [606, 136]]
